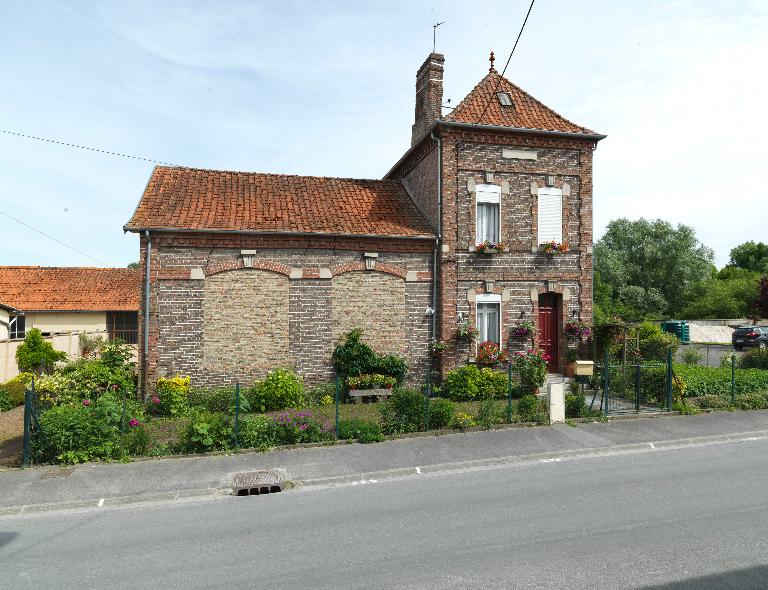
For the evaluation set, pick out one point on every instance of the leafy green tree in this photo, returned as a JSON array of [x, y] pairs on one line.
[[648, 268], [134, 265], [36, 355], [761, 304], [751, 256]]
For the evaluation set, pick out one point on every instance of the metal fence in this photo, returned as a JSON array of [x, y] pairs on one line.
[[720, 355]]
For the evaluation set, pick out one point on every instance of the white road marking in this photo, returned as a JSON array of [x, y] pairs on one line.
[[651, 445], [101, 502], [418, 470], [553, 460]]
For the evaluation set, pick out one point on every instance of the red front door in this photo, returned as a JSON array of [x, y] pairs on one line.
[[548, 329]]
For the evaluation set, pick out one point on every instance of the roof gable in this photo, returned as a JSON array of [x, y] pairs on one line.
[[526, 112], [214, 200], [38, 288]]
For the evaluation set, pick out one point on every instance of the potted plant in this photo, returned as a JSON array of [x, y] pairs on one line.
[[467, 331], [489, 248], [438, 348], [531, 365], [489, 353], [553, 248], [578, 329], [570, 362], [522, 329]]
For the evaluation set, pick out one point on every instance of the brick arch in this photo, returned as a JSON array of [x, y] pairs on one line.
[[381, 267], [229, 265], [562, 340]]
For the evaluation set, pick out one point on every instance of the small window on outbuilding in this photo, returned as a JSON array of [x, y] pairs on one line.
[[17, 327], [504, 99]]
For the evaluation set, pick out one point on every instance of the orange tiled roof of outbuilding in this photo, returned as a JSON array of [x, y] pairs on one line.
[[216, 200], [41, 288]]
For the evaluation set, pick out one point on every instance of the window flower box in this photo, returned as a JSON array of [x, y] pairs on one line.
[[489, 353], [488, 248], [553, 248]]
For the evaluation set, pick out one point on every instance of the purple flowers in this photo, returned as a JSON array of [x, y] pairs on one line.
[[86, 402], [155, 400], [298, 426], [133, 423]]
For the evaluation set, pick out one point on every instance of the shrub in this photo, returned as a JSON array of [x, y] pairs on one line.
[[529, 409], [654, 342], [37, 355], [353, 357], [220, 399], [256, 432], [488, 414], [754, 359], [711, 402], [280, 389], [392, 365], [575, 405], [364, 431], [751, 401], [462, 421], [5, 400], [321, 395], [172, 397], [206, 431], [441, 412], [91, 430], [13, 390], [532, 368], [463, 384], [403, 411], [493, 384], [299, 426], [717, 381], [692, 356], [726, 360], [686, 409]]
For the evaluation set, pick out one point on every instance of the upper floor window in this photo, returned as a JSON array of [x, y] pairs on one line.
[[488, 199], [17, 327], [550, 215]]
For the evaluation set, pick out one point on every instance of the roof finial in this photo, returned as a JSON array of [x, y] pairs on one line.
[[491, 59]]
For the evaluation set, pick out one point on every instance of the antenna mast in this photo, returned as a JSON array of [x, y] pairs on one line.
[[434, 34]]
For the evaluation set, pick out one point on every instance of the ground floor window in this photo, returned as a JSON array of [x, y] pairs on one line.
[[489, 318], [17, 327], [123, 325]]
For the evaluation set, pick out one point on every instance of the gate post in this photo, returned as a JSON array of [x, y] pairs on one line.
[[606, 382], [27, 426], [669, 379], [733, 379], [637, 387], [509, 392]]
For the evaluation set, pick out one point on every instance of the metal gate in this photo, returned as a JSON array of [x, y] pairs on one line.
[[630, 388]]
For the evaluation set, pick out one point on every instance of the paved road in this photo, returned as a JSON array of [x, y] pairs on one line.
[[693, 517]]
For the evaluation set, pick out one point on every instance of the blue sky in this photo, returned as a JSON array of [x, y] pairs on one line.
[[327, 88]]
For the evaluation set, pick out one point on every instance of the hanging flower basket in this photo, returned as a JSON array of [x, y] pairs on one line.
[[466, 331], [489, 248], [438, 348], [521, 330], [553, 248], [578, 329]]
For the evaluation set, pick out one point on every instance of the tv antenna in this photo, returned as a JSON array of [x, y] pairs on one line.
[[434, 34]]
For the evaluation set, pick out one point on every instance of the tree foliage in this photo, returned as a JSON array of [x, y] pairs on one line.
[[36, 355], [751, 256], [647, 269]]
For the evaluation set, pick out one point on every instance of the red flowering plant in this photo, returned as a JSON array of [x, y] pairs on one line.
[[488, 247], [553, 248], [489, 353], [578, 329], [531, 365]]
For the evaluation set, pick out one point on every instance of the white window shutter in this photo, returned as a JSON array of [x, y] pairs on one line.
[[550, 215]]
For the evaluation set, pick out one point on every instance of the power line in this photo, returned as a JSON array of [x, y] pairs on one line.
[[20, 222], [84, 147], [490, 98]]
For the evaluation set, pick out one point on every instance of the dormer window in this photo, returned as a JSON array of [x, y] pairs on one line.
[[504, 99]]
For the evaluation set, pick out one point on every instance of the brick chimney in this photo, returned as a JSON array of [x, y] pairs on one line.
[[429, 95]]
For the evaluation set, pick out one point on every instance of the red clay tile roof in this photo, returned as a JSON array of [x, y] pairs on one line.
[[214, 200], [526, 112], [40, 288]]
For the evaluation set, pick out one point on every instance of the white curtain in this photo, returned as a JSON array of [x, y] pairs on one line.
[[487, 222], [488, 322]]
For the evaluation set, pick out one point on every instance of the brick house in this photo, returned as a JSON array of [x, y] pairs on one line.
[[249, 271]]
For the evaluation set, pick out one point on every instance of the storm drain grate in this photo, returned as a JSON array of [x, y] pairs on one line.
[[256, 483]]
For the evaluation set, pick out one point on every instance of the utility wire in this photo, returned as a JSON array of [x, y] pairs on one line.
[[83, 147], [20, 222], [490, 98]]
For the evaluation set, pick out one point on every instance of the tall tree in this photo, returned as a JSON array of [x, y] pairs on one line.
[[651, 266], [751, 256]]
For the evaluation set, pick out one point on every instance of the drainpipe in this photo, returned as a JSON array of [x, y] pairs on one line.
[[439, 238], [146, 310]]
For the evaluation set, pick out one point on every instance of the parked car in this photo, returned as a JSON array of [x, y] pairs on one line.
[[750, 336]]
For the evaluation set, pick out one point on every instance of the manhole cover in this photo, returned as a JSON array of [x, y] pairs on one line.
[[255, 483], [63, 472]]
